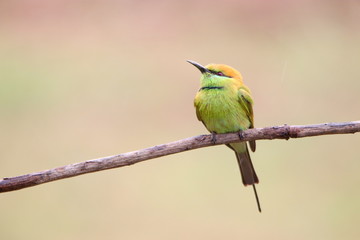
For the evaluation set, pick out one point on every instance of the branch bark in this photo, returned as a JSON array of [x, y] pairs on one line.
[[129, 158]]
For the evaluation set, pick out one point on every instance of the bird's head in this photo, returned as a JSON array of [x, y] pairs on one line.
[[217, 70]]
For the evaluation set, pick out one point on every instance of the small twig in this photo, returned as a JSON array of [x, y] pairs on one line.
[[126, 159]]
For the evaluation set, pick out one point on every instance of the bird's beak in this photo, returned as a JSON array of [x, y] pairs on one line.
[[200, 67]]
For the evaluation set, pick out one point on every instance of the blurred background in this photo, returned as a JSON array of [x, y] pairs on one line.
[[86, 79]]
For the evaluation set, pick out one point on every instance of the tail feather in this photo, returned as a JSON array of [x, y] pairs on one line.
[[247, 170], [257, 198]]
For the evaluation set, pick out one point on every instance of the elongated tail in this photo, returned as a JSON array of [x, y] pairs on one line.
[[247, 170]]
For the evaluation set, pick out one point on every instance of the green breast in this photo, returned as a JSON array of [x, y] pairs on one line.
[[219, 109]]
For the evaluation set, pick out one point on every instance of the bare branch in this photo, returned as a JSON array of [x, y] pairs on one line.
[[126, 159]]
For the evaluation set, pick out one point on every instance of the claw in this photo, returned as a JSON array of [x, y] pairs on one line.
[[241, 135], [213, 138]]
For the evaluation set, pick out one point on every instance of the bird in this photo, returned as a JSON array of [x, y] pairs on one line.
[[224, 104]]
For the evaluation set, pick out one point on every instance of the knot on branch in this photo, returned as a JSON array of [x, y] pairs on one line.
[[290, 132]]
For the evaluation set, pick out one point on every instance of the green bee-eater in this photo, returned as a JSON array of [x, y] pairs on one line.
[[224, 104]]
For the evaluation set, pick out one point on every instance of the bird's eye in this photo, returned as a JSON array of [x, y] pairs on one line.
[[220, 74]]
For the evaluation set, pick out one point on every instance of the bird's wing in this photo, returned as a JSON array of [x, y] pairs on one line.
[[197, 110], [246, 103]]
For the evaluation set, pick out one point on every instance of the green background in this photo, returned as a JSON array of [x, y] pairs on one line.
[[86, 79]]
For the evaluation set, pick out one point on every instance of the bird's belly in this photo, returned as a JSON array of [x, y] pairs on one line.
[[221, 113]]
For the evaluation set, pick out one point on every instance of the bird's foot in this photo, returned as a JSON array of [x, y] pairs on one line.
[[241, 135], [213, 138]]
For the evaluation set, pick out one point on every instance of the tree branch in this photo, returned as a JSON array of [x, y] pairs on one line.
[[126, 159]]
